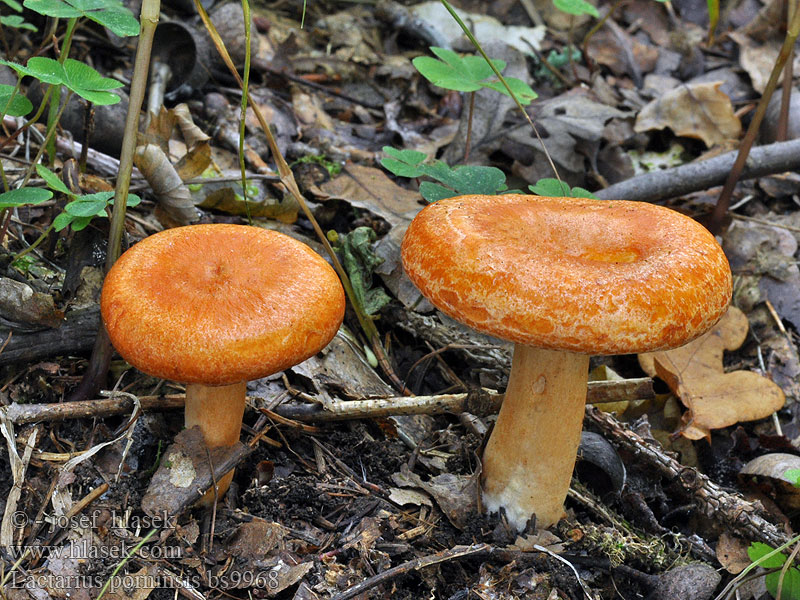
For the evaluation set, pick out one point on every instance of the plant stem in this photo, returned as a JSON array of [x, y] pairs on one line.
[[499, 75], [724, 200], [101, 352], [243, 109], [469, 126], [33, 246], [149, 21], [786, 91], [50, 135], [55, 109]]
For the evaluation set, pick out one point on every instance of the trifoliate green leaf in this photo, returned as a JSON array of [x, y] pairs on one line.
[[108, 13], [23, 196], [12, 102], [469, 74]]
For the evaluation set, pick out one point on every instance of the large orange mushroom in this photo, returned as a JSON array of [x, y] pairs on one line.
[[563, 278], [215, 306]]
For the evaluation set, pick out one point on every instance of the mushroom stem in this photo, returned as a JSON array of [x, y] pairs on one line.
[[529, 459], [217, 411]]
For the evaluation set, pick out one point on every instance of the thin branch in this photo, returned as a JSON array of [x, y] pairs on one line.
[[482, 402], [697, 176], [730, 510]]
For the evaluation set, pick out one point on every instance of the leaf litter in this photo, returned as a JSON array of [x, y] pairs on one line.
[[390, 504]]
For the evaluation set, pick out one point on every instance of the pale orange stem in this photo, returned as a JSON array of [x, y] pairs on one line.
[[530, 456], [218, 412]]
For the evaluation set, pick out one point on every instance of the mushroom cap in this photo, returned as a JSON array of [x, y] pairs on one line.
[[586, 276], [220, 304]]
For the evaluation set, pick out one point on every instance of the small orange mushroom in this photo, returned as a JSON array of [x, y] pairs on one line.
[[215, 306]]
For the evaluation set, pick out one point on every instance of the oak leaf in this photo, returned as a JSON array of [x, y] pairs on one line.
[[695, 110], [715, 399]]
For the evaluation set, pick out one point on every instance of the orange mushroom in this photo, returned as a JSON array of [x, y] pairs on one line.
[[562, 278], [214, 306]]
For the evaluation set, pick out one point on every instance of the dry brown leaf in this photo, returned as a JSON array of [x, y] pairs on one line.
[[612, 50], [371, 189], [768, 474], [456, 495], [732, 553], [191, 133], [256, 538], [757, 59], [21, 303], [696, 110], [195, 162], [226, 197], [195, 149], [159, 129], [728, 334], [715, 399], [174, 197]]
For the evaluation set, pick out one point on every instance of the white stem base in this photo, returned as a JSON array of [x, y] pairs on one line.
[[530, 456]]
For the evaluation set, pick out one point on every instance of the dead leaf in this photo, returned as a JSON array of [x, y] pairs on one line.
[[373, 190], [765, 258], [186, 462], [715, 399], [569, 120], [20, 303], [732, 553], [256, 538], [159, 129], [342, 366], [610, 48], [486, 28], [174, 197], [165, 178], [456, 495], [757, 59], [697, 110], [767, 474], [191, 133], [276, 574], [404, 497], [226, 196], [194, 162]]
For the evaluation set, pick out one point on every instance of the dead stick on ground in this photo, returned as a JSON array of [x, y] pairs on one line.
[[455, 553], [482, 402], [713, 502], [697, 176]]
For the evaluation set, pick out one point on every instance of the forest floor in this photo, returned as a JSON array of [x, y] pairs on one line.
[[682, 481]]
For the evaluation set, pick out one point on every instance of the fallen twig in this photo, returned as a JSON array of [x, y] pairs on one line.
[[76, 334], [455, 553], [696, 176], [712, 501], [21, 414], [481, 402]]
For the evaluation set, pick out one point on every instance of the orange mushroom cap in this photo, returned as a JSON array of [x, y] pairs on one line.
[[586, 276], [220, 304]]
